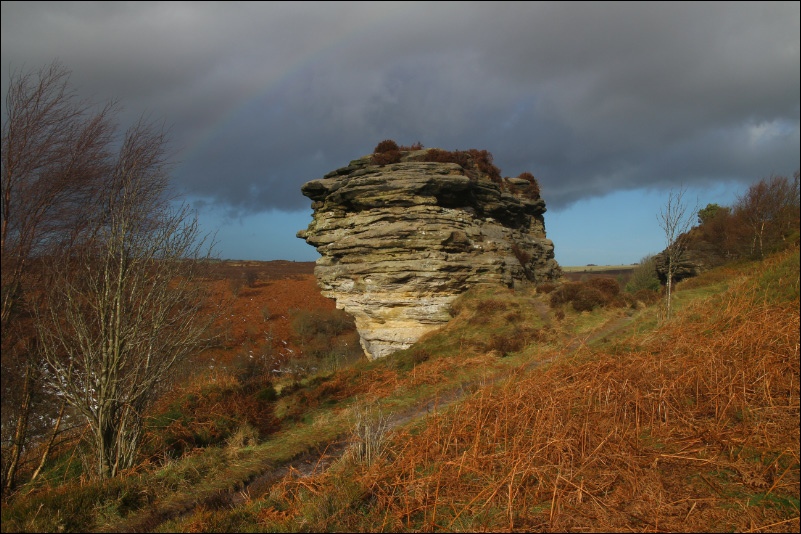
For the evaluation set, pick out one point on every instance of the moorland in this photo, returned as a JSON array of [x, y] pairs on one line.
[[522, 413], [149, 387]]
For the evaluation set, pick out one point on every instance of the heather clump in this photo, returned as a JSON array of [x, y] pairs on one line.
[[602, 292], [472, 160]]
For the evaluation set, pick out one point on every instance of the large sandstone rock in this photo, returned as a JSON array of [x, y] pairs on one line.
[[400, 242]]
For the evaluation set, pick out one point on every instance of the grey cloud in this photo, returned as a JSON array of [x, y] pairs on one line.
[[590, 97]]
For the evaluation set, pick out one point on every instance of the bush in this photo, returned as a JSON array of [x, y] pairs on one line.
[[469, 160], [647, 296], [607, 286], [588, 298], [506, 344], [251, 276], [387, 145], [415, 146], [533, 192], [546, 287], [644, 276], [235, 285], [565, 293], [386, 158]]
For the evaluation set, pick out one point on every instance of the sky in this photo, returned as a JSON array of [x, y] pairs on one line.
[[610, 105]]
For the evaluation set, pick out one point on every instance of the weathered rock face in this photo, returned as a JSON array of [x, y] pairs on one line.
[[400, 242]]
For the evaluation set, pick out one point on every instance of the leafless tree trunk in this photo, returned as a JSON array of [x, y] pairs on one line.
[[675, 220], [54, 149], [49, 446], [126, 305], [20, 432]]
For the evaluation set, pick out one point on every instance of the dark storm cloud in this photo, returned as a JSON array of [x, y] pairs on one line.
[[590, 97]]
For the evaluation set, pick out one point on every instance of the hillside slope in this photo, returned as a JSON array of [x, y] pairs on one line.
[[517, 415], [690, 427]]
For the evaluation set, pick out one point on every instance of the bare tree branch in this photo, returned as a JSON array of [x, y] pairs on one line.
[[676, 220], [99, 269], [54, 152], [126, 306]]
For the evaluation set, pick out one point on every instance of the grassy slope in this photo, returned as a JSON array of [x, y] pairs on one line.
[[579, 424]]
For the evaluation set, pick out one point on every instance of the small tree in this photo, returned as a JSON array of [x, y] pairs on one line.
[[710, 212], [675, 219], [125, 306], [644, 276], [54, 155], [770, 210]]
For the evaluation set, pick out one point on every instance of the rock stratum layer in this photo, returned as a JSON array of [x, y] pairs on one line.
[[399, 242]]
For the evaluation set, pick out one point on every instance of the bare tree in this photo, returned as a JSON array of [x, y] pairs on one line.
[[770, 211], [676, 220], [54, 152], [99, 272], [126, 305]]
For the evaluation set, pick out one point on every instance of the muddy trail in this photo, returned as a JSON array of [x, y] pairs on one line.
[[318, 459]]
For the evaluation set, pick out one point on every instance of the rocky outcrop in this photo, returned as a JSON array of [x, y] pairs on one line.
[[400, 242], [685, 267]]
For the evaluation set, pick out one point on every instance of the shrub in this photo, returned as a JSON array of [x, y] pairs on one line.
[[644, 276], [235, 285], [647, 296], [386, 158], [251, 276], [546, 287], [588, 298], [387, 145], [505, 343], [469, 160], [607, 286], [416, 146], [565, 293], [533, 192]]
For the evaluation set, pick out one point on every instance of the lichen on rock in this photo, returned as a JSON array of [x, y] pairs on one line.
[[399, 242]]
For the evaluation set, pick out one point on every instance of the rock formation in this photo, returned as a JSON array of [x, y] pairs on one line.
[[399, 242]]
